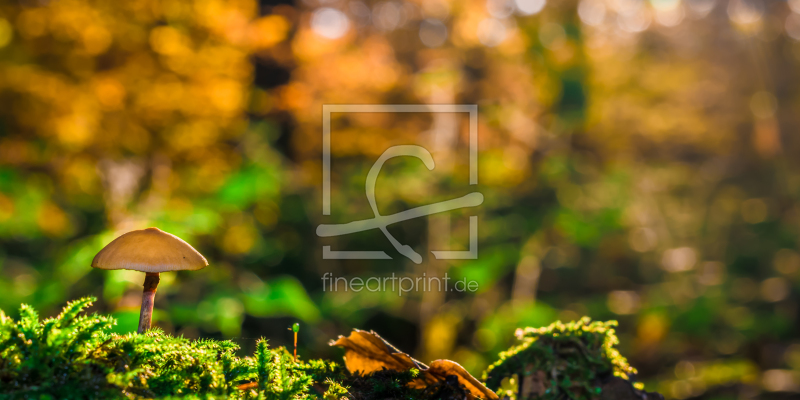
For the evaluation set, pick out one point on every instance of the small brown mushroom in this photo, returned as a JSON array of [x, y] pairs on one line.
[[152, 251]]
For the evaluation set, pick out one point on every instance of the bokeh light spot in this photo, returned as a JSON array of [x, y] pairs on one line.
[[635, 20], [432, 32], [679, 259], [754, 211], [500, 8], [700, 8], [793, 26], [711, 273], [786, 261], [745, 12], [592, 12], [330, 23], [794, 5], [763, 104], [623, 302], [774, 289], [6, 33], [552, 35], [388, 16], [530, 7], [780, 380], [491, 32], [668, 13]]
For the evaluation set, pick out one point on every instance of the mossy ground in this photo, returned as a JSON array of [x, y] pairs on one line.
[[75, 356], [570, 360]]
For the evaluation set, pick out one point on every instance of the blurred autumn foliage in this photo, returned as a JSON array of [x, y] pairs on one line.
[[637, 159]]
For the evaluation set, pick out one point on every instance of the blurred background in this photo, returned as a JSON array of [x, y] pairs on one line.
[[639, 161]]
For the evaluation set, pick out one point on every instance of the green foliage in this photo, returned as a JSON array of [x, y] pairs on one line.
[[279, 377], [57, 356], [572, 358], [76, 356]]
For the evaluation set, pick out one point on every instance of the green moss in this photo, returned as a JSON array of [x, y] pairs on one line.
[[76, 356], [562, 359]]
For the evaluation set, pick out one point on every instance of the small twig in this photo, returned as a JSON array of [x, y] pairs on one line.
[[295, 328]]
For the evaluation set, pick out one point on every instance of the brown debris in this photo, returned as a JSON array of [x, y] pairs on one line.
[[367, 352]]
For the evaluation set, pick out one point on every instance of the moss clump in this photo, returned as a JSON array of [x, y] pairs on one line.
[[75, 356], [561, 361]]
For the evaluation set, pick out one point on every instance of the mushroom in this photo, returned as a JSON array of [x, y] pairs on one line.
[[152, 251]]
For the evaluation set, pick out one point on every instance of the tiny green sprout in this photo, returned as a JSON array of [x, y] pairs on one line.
[[295, 328]]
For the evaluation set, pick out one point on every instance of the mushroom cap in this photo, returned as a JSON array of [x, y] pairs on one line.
[[149, 250]]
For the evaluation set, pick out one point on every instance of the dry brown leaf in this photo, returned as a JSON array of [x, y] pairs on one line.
[[367, 352]]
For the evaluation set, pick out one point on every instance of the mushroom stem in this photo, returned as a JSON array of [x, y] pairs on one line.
[[148, 295]]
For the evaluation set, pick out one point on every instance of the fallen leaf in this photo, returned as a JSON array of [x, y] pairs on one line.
[[367, 352]]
